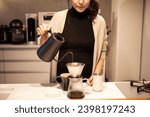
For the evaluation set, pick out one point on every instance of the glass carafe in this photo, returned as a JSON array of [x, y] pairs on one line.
[[75, 89]]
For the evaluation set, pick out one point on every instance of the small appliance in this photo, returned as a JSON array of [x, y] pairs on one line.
[[4, 34], [31, 25], [44, 17], [17, 32]]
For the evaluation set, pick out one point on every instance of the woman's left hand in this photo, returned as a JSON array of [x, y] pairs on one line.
[[90, 81]]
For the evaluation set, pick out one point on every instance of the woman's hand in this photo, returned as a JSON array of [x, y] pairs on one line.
[[90, 81], [42, 29], [98, 70]]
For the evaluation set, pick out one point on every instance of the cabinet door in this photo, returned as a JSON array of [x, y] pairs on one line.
[[27, 78], [1, 55], [1, 66], [1, 62], [22, 65], [27, 67], [2, 78], [21, 55]]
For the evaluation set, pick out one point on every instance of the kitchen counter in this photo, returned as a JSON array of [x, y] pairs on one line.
[[9, 46], [34, 91], [53, 91]]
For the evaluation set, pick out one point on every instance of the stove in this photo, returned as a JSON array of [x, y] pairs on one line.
[[142, 86]]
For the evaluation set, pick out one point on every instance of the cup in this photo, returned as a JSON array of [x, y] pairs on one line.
[[97, 82], [63, 80]]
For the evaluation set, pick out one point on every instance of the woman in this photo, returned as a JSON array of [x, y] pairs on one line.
[[85, 36]]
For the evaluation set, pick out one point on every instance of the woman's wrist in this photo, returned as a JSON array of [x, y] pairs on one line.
[[44, 38]]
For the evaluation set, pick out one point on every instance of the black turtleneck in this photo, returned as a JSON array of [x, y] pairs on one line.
[[79, 39]]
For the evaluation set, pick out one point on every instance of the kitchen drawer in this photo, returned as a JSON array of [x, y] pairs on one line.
[[27, 67], [21, 55], [1, 55], [27, 78], [1, 67], [2, 78]]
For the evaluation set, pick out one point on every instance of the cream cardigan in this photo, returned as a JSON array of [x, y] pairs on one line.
[[100, 34]]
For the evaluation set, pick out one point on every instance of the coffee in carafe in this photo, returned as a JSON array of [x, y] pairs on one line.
[[75, 95]]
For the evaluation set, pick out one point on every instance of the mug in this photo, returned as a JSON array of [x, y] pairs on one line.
[[97, 82], [63, 80]]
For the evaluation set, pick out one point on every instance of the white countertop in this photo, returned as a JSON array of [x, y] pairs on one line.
[[53, 91]]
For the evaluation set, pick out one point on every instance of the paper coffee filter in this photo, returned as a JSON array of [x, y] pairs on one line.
[[75, 68]]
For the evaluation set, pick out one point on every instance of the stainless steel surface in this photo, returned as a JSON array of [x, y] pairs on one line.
[[131, 92]]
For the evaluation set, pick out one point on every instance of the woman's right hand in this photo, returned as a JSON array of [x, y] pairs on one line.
[[42, 29]]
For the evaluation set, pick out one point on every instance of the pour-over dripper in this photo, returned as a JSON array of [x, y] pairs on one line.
[[75, 68]]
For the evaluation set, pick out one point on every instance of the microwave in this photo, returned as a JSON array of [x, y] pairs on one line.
[[45, 17]]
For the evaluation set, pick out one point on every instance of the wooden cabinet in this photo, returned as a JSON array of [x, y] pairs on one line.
[[1, 67], [22, 65]]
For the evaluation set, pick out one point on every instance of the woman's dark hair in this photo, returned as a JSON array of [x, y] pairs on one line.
[[93, 9]]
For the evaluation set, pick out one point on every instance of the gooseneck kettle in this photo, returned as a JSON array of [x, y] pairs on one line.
[[49, 49]]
